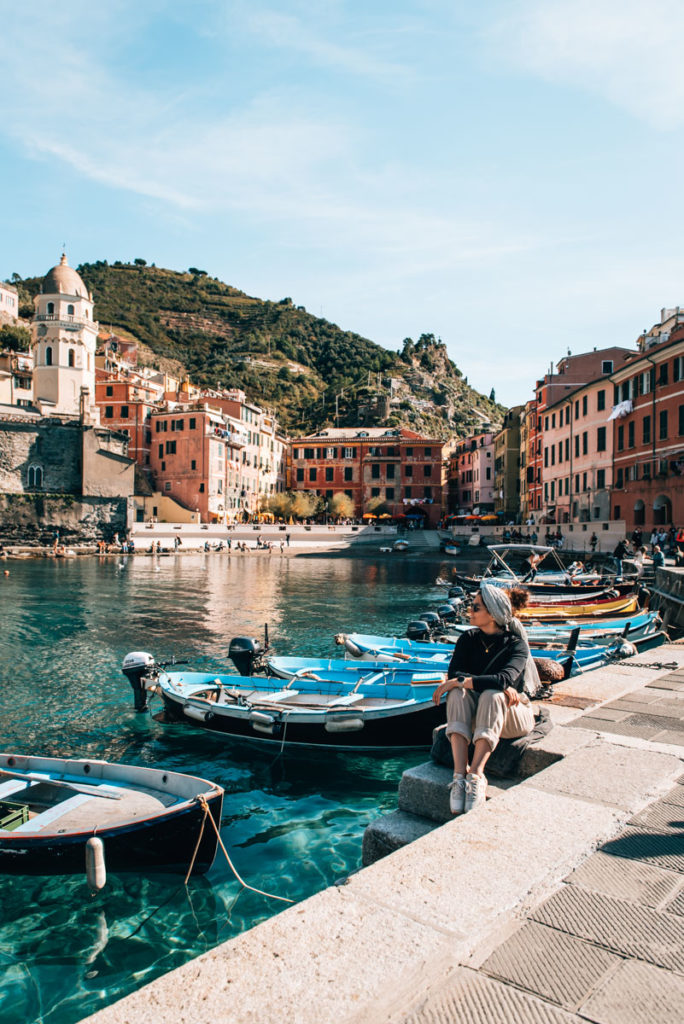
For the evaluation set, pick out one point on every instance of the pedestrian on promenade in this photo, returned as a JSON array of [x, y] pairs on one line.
[[658, 557], [619, 553], [593, 542], [489, 682], [287, 538]]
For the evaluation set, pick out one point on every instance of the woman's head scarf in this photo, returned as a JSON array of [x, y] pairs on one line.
[[497, 603]]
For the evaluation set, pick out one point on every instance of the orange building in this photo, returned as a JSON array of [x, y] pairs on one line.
[[397, 466]]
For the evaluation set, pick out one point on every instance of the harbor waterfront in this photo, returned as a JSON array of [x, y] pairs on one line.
[[292, 823]]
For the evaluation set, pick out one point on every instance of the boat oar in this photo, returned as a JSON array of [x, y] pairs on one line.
[[78, 787]]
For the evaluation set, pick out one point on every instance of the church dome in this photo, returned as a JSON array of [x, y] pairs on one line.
[[63, 280]]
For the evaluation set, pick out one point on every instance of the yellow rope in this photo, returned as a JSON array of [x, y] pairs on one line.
[[205, 806]]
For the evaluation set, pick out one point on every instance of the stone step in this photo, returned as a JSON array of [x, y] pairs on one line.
[[392, 831]]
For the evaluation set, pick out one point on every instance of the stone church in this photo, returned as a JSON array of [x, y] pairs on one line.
[[58, 467]]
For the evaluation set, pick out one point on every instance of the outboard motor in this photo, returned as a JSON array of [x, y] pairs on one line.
[[418, 630], [456, 592], [136, 666], [447, 613], [247, 654], [432, 619]]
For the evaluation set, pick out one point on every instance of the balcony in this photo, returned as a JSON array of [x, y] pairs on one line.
[[68, 321]]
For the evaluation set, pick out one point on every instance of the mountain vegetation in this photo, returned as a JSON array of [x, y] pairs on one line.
[[311, 371]]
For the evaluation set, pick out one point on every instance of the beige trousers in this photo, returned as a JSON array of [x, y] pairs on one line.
[[486, 716]]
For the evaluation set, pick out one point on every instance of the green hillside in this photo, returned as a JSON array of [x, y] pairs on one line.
[[311, 371]]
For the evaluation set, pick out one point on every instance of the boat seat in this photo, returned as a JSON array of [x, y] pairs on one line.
[[13, 786], [350, 698], [52, 813], [278, 695]]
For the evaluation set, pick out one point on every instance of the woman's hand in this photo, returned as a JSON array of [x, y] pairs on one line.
[[462, 682], [512, 696]]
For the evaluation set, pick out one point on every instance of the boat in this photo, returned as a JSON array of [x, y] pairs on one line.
[[148, 819], [510, 564], [360, 713], [400, 545], [604, 606]]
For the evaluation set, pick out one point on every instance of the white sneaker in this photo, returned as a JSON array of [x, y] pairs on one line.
[[457, 792], [475, 791]]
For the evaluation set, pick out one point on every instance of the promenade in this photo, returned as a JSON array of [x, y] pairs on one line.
[[560, 900]]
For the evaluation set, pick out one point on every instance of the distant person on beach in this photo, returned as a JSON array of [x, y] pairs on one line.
[[287, 538]]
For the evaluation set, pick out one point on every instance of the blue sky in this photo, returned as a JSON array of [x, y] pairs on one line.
[[504, 175]]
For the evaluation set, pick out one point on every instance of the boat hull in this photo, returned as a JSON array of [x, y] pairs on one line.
[[164, 843], [408, 729]]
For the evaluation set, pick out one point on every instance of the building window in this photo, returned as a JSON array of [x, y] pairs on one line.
[[620, 438], [407, 492], [71, 358], [619, 478], [630, 435], [350, 453], [48, 356], [663, 375], [109, 391], [577, 444], [567, 448], [663, 425], [300, 475], [390, 471], [193, 464], [389, 493], [167, 486], [312, 475], [192, 425], [308, 453], [584, 481], [170, 447], [375, 471], [408, 471], [577, 409], [607, 366], [375, 492], [50, 307], [427, 492], [35, 476], [601, 439], [600, 479], [201, 488], [601, 401], [585, 443], [681, 420], [647, 430], [328, 472], [330, 453], [560, 451], [348, 473], [584, 405], [124, 412], [109, 412], [677, 368], [161, 451], [577, 484], [427, 470]]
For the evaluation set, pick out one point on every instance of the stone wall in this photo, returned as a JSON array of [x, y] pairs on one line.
[[50, 444], [32, 519]]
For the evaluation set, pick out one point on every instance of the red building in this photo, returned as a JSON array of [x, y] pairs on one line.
[[397, 466], [125, 403], [648, 432]]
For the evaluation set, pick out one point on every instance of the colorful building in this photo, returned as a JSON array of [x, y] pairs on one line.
[[395, 466], [507, 466], [472, 467]]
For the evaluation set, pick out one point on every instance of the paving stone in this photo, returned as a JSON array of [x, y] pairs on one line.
[[625, 879], [675, 796], [619, 775], [472, 998], [638, 697], [658, 709], [622, 927], [637, 994], [642, 844], [619, 728], [536, 958], [676, 906], [661, 817], [674, 739], [669, 684], [612, 714], [656, 721]]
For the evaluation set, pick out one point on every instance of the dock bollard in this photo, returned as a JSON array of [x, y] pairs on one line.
[[96, 872]]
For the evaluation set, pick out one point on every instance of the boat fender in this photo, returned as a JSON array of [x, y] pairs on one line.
[[344, 724], [262, 722], [352, 648], [626, 649], [199, 714], [96, 872]]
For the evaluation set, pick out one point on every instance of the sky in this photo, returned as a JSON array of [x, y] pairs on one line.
[[504, 175]]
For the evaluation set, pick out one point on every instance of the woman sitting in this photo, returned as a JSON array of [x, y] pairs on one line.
[[490, 680]]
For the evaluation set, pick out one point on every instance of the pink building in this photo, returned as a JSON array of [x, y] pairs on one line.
[[577, 454], [472, 466]]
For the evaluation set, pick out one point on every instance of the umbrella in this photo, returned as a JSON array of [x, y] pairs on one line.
[[369, 515], [490, 519], [385, 515]]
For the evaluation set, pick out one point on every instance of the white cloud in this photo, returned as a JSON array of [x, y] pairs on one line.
[[623, 50]]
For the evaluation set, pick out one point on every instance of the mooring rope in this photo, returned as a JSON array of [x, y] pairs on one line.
[[207, 815]]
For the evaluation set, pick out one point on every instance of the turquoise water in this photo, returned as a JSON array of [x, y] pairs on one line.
[[292, 824]]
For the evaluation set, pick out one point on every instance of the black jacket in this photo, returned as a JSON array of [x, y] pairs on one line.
[[494, 662]]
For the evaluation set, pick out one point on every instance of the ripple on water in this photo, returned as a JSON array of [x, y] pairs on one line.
[[292, 824]]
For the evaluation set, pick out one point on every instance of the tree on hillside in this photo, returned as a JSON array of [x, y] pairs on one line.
[[15, 338], [492, 395]]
